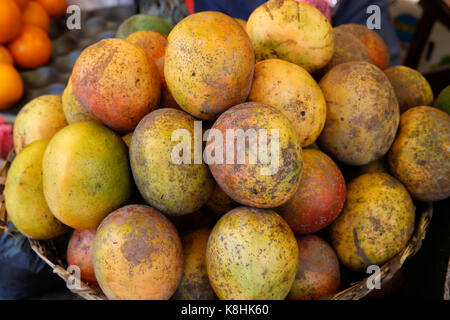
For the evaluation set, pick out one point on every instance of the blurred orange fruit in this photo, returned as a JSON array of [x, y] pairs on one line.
[[22, 3], [32, 48], [10, 20], [34, 14], [5, 56], [54, 8], [11, 86]]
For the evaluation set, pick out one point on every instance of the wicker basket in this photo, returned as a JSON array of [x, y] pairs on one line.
[[48, 252]]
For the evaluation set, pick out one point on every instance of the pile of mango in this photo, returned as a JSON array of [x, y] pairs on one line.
[[99, 159]]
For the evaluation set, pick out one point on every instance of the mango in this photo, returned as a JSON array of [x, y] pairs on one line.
[[194, 283], [24, 196], [443, 100], [420, 155], [220, 203], [375, 45], [251, 254], [265, 166], [40, 118], [411, 88], [152, 42], [73, 110], [116, 82], [171, 187], [319, 198], [143, 21], [292, 90], [376, 222], [318, 273], [293, 31], [362, 113], [80, 253], [85, 174], [137, 255], [209, 64], [347, 48]]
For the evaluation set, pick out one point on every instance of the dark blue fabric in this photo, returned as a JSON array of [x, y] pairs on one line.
[[235, 8], [22, 273], [350, 11]]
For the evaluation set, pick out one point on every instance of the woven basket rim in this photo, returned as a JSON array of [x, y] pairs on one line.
[[356, 291]]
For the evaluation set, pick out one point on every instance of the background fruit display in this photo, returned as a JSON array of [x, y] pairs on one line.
[[358, 146], [24, 41]]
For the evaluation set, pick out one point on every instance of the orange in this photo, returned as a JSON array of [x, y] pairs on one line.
[[11, 86], [54, 8], [36, 15], [5, 56], [153, 43], [32, 48], [10, 20], [22, 3]]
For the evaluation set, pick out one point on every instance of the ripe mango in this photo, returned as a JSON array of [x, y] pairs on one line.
[[85, 174], [24, 196], [137, 255], [420, 155], [209, 64], [293, 31], [251, 254], [194, 284], [292, 90], [376, 222], [40, 118], [172, 188], [362, 113]]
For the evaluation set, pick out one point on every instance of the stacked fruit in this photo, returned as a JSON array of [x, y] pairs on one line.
[[24, 41], [178, 207]]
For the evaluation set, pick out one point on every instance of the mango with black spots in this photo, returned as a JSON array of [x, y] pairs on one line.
[[252, 254], [209, 64], [420, 155], [411, 88], [362, 113], [319, 198], [293, 31], [116, 82], [265, 167], [137, 255], [24, 196], [86, 174], [194, 283], [318, 274], [292, 90], [171, 186], [347, 48], [376, 222]]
